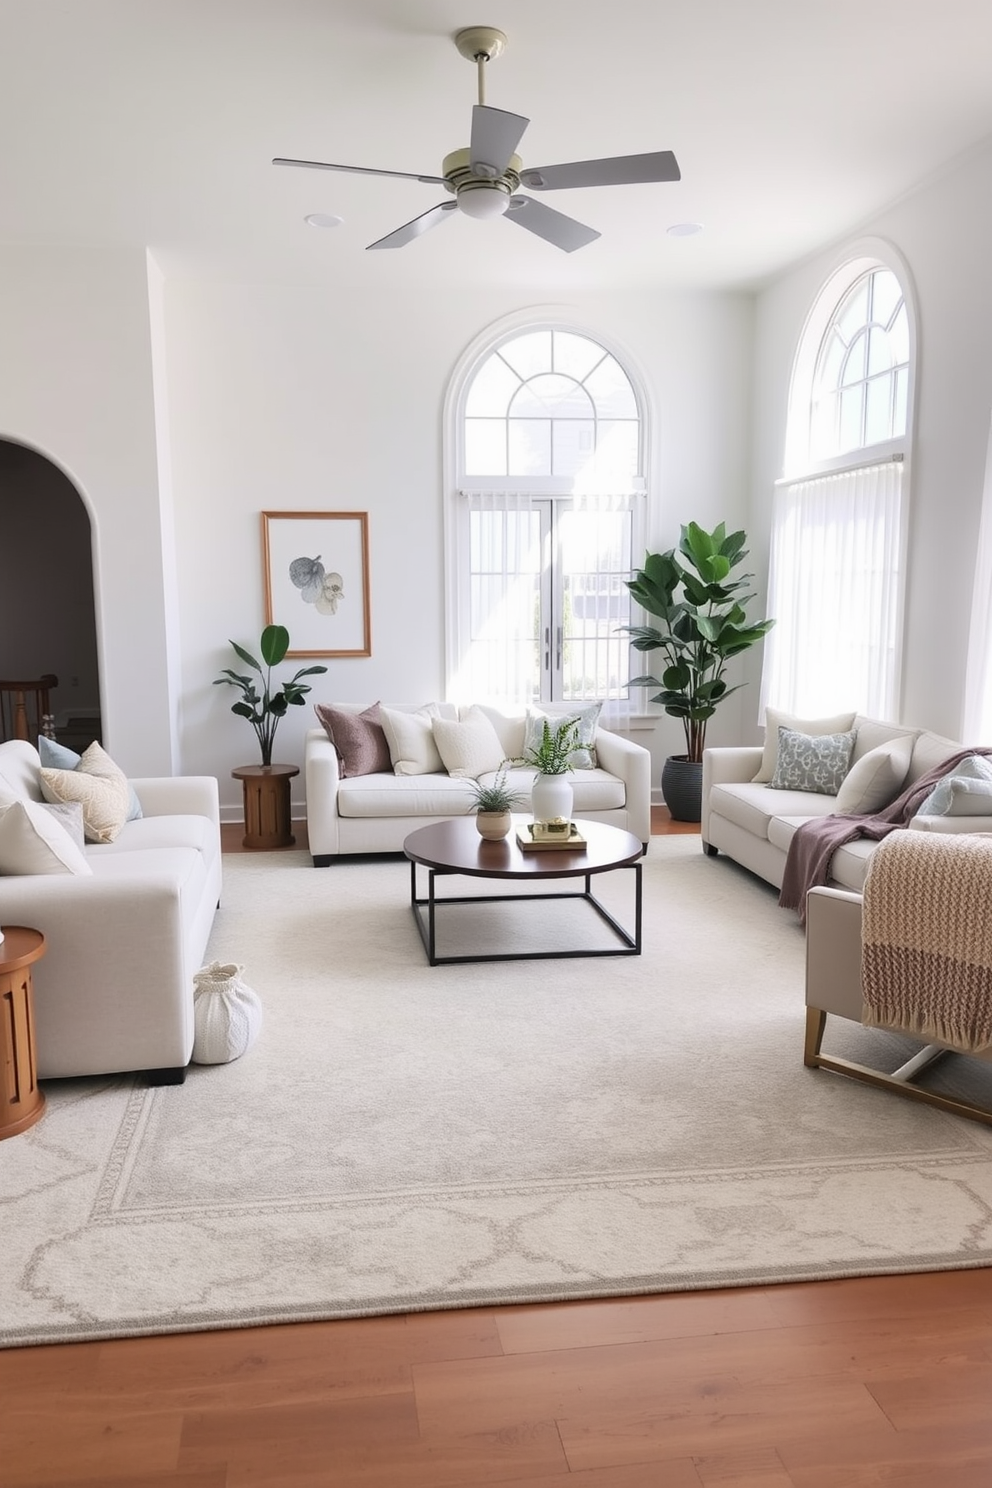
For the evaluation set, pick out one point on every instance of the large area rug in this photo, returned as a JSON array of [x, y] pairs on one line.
[[403, 1137]]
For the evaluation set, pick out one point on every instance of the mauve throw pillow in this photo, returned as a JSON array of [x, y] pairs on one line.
[[357, 738]]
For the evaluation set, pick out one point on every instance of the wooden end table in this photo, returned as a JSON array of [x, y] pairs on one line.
[[21, 1102], [268, 813]]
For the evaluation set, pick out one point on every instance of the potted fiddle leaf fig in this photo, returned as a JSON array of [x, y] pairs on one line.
[[701, 612], [264, 708]]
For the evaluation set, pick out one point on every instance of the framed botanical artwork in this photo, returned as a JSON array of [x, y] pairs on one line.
[[317, 581]]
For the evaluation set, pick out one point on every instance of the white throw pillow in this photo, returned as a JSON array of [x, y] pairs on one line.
[[101, 787], [587, 718], [33, 841], [410, 738], [875, 779], [469, 747], [965, 792], [775, 719]]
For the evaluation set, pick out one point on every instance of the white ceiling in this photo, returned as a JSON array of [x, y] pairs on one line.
[[154, 122]]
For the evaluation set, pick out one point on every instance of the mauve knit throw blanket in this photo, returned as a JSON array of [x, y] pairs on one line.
[[815, 842]]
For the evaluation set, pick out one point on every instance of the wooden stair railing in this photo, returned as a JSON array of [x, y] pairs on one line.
[[25, 708]]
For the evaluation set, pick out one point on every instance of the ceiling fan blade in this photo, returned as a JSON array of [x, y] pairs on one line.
[[360, 170], [554, 227], [414, 229], [618, 170], [495, 137]]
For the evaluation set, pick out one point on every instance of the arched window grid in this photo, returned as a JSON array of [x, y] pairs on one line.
[[860, 384]]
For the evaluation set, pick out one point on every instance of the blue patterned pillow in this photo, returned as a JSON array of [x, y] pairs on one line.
[[56, 756], [812, 762]]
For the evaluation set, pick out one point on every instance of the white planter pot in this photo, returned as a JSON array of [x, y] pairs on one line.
[[551, 798]]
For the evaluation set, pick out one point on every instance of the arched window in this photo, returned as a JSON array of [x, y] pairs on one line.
[[836, 568], [543, 518]]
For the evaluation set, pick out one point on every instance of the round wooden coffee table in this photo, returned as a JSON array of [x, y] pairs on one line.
[[455, 847]]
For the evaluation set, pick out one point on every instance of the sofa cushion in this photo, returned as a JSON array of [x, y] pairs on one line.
[[19, 778], [775, 719], [470, 746], [32, 841], [101, 787], [397, 796], [56, 756], [875, 779], [849, 863], [587, 719], [808, 762], [150, 833], [752, 807], [410, 737], [359, 739]]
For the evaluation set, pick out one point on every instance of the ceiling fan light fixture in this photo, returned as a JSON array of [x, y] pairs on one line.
[[483, 199]]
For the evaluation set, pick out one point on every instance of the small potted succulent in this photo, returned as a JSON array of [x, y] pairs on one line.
[[493, 802]]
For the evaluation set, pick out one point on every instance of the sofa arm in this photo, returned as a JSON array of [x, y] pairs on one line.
[[323, 777], [179, 795], [112, 991], [733, 764], [631, 763], [833, 952]]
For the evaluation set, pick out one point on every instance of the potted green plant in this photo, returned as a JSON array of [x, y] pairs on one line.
[[493, 803], [703, 622], [264, 710], [551, 757]]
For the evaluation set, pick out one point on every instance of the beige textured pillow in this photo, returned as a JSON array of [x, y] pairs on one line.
[[469, 747], [32, 841], [411, 740], [875, 779], [99, 785], [841, 723]]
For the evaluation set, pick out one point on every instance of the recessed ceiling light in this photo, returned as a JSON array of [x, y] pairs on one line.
[[323, 219], [684, 229]]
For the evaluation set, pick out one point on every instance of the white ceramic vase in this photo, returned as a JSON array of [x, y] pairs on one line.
[[551, 798]]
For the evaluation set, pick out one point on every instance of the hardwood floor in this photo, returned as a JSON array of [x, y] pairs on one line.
[[867, 1383]]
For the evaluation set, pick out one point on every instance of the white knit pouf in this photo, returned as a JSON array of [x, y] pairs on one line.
[[226, 1014]]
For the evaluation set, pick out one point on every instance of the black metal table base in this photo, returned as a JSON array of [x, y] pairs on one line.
[[425, 915]]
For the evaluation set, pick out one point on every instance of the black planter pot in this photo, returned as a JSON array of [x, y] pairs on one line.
[[682, 788]]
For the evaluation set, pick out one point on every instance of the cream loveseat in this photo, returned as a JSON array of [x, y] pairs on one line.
[[374, 812], [125, 922], [744, 817]]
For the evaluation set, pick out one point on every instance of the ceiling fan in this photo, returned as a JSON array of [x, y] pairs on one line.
[[484, 178]]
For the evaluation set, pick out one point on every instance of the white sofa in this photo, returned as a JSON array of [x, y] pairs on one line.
[[114, 990], [754, 824], [375, 813]]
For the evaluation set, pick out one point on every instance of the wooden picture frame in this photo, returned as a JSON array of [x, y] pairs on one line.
[[316, 571]]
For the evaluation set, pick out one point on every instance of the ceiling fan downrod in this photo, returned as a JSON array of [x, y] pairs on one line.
[[480, 44]]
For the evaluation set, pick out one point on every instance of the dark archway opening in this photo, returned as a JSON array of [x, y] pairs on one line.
[[47, 609]]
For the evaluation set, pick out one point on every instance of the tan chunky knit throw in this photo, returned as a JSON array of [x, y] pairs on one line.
[[926, 938]]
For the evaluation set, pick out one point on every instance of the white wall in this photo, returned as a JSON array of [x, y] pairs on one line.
[[75, 384], [944, 232], [284, 399]]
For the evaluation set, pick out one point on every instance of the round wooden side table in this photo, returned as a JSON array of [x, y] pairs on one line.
[[21, 1102], [268, 813]]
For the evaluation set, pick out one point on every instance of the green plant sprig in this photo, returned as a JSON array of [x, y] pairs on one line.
[[553, 755], [498, 794], [263, 711]]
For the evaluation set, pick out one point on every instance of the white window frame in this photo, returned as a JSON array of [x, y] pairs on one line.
[[799, 464], [545, 488]]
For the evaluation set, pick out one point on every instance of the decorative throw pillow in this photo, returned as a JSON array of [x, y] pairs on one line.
[[58, 756], [967, 791], [358, 739], [469, 747], [32, 841], [587, 719], [814, 727], [809, 762], [875, 779], [99, 785], [70, 814], [411, 740]]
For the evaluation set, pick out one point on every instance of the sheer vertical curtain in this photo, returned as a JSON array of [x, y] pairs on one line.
[[835, 590], [977, 723]]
